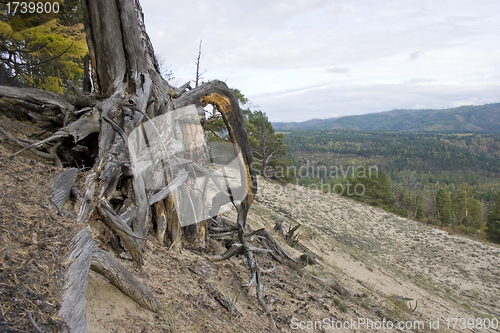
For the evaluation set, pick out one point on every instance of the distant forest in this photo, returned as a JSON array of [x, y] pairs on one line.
[[412, 167], [444, 158], [463, 119]]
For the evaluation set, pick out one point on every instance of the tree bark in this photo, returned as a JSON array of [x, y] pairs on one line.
[[128, 92]]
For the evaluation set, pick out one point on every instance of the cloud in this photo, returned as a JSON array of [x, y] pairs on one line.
[[415, 55], [419, 80], [339, 70], [280, 53], [345, 100]]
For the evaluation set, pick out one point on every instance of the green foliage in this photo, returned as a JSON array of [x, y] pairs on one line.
[[467, 209], [43, 52], [444, 158], [376, 187], [241, 98], [411, 193], [268, 148], [493, 222], [444, 212], [169, 317], [439, 160], [232, 303], [417, 164], [269, 151]]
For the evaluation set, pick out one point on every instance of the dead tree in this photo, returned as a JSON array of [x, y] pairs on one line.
[[128, 91], [93, 131], [198, 74]]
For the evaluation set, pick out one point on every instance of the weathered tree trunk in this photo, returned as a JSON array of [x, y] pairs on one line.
[[128, 92]]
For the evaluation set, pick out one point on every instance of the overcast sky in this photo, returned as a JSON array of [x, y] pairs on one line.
[[297, 59]]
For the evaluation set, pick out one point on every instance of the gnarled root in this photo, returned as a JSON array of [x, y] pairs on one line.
[[104, 264], [86, 255]]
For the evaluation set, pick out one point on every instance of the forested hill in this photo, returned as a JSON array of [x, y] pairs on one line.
[[463, 119]]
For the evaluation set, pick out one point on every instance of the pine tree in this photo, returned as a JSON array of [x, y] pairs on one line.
[[443, 207], [414, 188], [467, 210], [493, 222], [374, 187], [43, 50], [267, 146], [270, 151]]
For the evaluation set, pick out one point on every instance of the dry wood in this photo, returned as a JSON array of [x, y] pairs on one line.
[[126, 77], [260, 296], [338, 287], [278, 227], [128, 237], [219, 297], [61, 187], [290, 234], [278, 253], [33, 323], [104, 264], [221, 229], [162, 194], [76, 281], [36, 100], [160, 213], [233, 250], [230, 223], [22, 144], [173, 225]]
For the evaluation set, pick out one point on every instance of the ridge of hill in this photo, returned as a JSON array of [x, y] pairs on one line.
[[463, 119]]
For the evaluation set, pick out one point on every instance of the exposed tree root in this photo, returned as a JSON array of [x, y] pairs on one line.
[[51, 155], [335, 285], [86, 255], [279, 255], [129, 238], [104, 264], [76, 281], [233, 250], [277, 252], [260, 296], [222, 299]]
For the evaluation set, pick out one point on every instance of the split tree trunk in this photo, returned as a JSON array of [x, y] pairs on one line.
[[127, 73], [128, 91]]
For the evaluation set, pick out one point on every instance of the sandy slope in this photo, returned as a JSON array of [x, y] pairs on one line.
[[365, 248], [448, 275]]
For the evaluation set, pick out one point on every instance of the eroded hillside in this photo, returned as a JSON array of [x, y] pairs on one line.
[[399, 264]]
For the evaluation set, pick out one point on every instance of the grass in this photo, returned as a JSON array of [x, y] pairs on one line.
[[309, 232], [189, 273], [169, 317], [232, 303], [364, 304], [339, 304]]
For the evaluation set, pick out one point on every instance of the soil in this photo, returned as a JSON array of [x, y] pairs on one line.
[[33, 245]]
